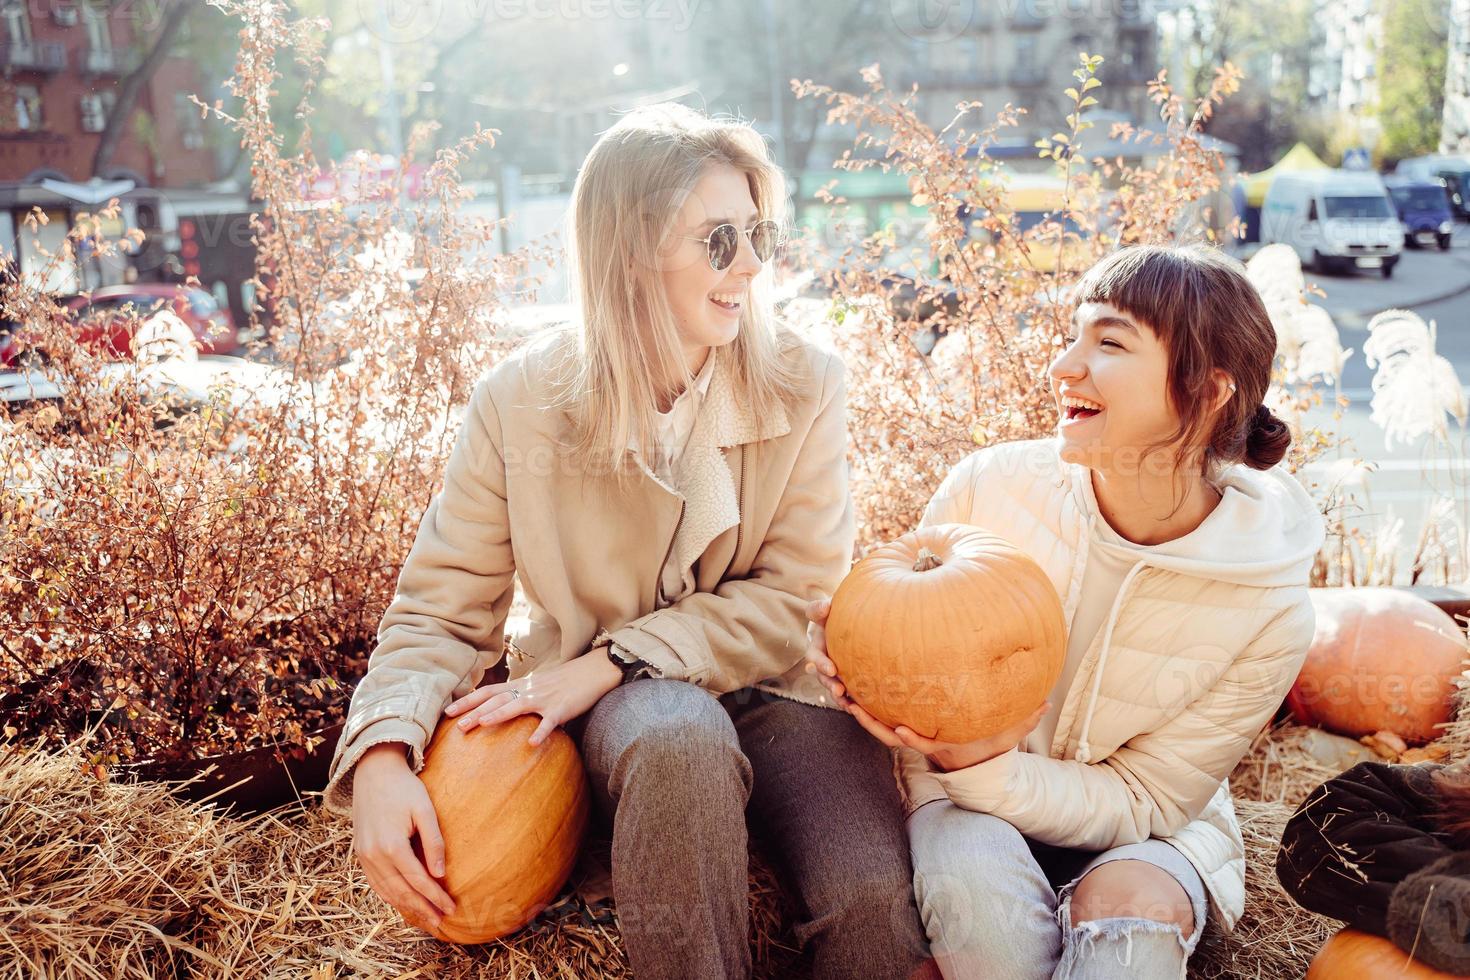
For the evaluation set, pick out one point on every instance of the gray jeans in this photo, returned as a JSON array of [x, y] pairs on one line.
[[675, 768], [990, 903]]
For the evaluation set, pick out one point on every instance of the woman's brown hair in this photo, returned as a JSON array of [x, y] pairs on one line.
[[1208, 315]]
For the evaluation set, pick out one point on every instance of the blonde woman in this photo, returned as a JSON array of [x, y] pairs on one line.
[[1097, 837], [667, 485]]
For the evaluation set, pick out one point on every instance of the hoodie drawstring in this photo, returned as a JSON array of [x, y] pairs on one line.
[[1084, 749]]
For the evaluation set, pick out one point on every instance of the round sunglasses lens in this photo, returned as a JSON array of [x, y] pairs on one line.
[[724, 241], [764, 238]]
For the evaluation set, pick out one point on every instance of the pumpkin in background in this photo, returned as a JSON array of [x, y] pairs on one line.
[[949, 630], [512, 817], [1354, 955], [1381, 660]]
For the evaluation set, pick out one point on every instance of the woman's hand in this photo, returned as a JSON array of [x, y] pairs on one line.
[[817, 661], [390, 805], [946, 755], [558, 694], [950, 756]]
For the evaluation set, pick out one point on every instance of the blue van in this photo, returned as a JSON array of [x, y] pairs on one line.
[[1453, 169], [1424, 209]]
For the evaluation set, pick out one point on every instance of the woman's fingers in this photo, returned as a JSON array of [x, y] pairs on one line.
[[475, 698], [1026, 727], [916, 741], [426, 822], [501, 707], [834, 686], [818, 609], [392, 888], [874, 727], [408, 868], [543, 731], [818, 662], [413, 906]]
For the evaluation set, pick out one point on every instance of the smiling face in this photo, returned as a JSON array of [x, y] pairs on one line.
[[707, 303], [1111, 388]]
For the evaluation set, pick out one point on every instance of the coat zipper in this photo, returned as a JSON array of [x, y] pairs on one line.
[[658, 582], [739, 508]]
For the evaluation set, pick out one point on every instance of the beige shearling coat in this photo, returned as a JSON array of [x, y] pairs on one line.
[[761, 514]]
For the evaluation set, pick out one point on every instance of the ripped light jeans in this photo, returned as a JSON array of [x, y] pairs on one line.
[[990, 903]]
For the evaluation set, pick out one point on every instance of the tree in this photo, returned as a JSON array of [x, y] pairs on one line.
[[1411, 91], [174, 12], [1272, 42]]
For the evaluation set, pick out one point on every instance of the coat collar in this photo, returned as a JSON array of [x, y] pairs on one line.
[[703, 476], [725, 420]]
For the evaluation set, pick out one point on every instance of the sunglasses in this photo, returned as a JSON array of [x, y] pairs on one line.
[[724, 242]]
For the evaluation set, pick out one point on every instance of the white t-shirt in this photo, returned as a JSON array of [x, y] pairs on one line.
[[673, 430]]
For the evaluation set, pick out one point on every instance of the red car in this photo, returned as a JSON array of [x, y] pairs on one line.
[[103, 319]]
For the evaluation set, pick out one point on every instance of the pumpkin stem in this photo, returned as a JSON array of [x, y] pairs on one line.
[[927, 560]]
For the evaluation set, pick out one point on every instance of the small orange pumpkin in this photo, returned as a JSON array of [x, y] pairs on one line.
[[950, 630], [512, 816], [1381, 660], [1354, 955]]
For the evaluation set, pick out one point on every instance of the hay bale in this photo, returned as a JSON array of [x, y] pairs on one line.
[[1283, 765], [1456, 735], [126, 881], [98, 879], [298, 905], [1275, 938]]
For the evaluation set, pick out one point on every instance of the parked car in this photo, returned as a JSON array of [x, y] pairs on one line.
[[1452, 169], [1334, 219], [1424, 210], [104, 318]]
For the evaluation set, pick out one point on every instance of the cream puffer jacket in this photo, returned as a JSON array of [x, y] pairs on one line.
[[760, 511], [1195, 656]]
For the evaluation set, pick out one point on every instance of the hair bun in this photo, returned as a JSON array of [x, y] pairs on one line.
[[1267, 441]]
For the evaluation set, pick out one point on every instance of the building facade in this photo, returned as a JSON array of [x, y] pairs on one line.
[[60, 65]]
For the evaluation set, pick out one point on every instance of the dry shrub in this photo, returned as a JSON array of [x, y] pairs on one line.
[[205, 578], [914, 415]]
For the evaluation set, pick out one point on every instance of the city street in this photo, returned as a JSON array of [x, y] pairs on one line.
[[1405, 479]]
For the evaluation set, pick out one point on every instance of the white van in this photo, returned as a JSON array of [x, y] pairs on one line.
[[1334, 219]]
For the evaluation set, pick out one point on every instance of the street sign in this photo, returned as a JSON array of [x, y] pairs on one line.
[[1356, 158]]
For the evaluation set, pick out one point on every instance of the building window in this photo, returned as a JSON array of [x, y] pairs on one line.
[[27, 109], [17, 23], [1025, 51], [96, 107], [99, 36]]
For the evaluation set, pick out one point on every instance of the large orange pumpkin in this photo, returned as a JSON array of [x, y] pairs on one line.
[[1381, 660], [1354, 955], [949, 630], [512, 817]]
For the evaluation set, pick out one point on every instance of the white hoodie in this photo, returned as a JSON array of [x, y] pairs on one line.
[[1203, 640]]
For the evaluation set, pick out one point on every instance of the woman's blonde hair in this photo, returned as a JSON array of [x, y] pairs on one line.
[[627, 352]]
